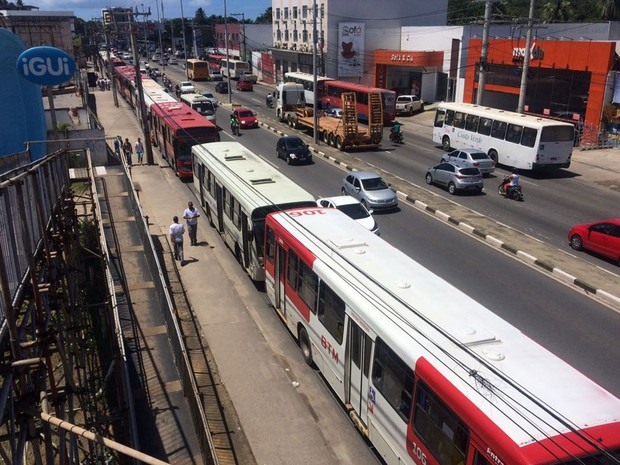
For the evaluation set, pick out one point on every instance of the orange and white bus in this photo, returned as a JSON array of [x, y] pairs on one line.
[[429, 375], [510, 139], [237, 188]]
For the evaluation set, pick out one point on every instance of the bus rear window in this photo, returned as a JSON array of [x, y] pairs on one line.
[[440, 117], [557, 134]]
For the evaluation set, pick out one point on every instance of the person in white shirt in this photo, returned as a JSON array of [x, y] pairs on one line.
[[176, 232], [191, 215], [139, 150]]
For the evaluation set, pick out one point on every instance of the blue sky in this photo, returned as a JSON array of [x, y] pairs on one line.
[[88, 10]]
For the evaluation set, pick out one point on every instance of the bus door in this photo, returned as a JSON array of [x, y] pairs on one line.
[[246, 238], [279, 281], [220, 207], [357, 368]]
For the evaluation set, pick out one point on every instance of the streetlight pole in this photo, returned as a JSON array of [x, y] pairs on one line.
[[184, 41], [315, 120], [161, 45], [227, 56]]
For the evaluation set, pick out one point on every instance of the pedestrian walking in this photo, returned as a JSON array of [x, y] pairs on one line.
[[118, 145], [128, 150], [139, 150], [191, 215], [176, 232], [108, 83]]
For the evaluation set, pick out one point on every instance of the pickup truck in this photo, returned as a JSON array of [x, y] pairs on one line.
[[247, 76], [408, 104]]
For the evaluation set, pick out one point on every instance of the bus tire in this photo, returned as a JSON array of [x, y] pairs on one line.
[[304, 345], [325, 137], [445, 143], [493, 155]]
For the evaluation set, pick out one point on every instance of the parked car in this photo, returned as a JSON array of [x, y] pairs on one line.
[[370, 189], [247, 118], [221, 87], [353, 208], [602, 238], [209, 96], [173, 61], [186, 87], [244, 85], [334, 113], [471, 158], [215, 75], [408, 104], [455, 178], [293, 150]]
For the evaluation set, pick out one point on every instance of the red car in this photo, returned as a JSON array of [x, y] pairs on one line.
[[244, 85], [602, 237], [247, 118]]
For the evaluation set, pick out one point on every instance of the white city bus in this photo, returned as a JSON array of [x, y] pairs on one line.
[[234, 68], [511, 139], [307, 80], [429, 375], [154, 94], [237, 189]]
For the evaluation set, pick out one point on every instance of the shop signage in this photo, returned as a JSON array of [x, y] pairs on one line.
[[46, 66], [536, 53], [401, 57]]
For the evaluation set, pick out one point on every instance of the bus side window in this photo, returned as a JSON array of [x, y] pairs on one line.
[[529, 137], [471, 123], [513, 134], [393, 379], [498, 131], [270, 248], [459, 120], [331, 312], [449, 117], [484, 127], [291, 275], [440, 117]]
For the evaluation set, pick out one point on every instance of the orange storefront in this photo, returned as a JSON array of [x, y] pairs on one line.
[[403, 72], [566, 79]]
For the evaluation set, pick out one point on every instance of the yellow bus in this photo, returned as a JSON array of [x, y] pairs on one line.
[[197, 70]]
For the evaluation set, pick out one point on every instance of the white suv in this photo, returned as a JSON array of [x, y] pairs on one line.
[[408, 104], [186, 87]]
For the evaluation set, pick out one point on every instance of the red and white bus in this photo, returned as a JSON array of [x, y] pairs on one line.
[[215, 61], [126, 83], [237, 189], [176, 128], [307, 80], [429, 375], [333, 90]]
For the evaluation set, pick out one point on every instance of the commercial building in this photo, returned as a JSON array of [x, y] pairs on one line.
[[35, 28]]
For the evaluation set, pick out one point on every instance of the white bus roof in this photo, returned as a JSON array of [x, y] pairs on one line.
[[238, 168], [504, 115], [305, 76], [421, 316], [155, 93], [194, 98]]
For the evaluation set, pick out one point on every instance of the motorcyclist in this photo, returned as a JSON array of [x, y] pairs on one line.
[[234, 123], [395, 133], [511, 182]]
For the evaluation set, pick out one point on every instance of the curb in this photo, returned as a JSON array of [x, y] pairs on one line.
[[521, 255]]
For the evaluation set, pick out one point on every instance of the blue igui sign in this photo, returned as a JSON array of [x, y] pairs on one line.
[[46, 66]]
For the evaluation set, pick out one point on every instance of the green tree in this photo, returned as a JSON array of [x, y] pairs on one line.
[[557, 10], [608, 10], [200, 18], [265, 18]]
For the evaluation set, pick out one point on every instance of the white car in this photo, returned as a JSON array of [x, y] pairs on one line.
[[173, 61], [353, 208], [408, 104], [186, 87]]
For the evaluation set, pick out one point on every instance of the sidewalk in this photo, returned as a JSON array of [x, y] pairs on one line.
[[266, 379]]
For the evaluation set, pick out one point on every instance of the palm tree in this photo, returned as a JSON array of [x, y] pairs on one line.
[[608, 9], [557, 10]]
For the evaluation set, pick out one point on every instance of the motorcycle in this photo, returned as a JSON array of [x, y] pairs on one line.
[[235, 129], [269, 101], [396, 137], [514, 193]]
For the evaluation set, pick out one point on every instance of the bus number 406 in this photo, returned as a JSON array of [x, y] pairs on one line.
[[415, 450]]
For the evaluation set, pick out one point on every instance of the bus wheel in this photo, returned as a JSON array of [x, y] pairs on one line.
[[304, 345], [493, 155], [445, 143], [325, 137]]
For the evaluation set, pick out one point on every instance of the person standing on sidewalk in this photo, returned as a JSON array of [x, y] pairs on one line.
[[191, 215], [139, 150], [128, 150], [118, 144], [176, 232]]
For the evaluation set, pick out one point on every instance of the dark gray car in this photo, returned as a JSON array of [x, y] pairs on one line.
[[455, 178], [293, 150]]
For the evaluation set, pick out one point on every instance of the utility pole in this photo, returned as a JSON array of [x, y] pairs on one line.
[[485, 52], [526, 59], [315, 42], [242, 52], [227, 56], [184, 42]]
